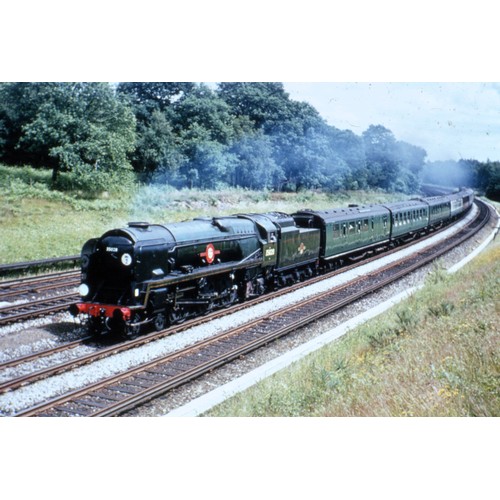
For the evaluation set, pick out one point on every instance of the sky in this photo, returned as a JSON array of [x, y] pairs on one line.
[[449, 120]]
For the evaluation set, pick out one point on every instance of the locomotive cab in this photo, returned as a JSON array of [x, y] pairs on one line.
[[268, 238]]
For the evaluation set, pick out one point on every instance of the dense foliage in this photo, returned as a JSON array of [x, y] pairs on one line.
[[81, 128], [249, 135]]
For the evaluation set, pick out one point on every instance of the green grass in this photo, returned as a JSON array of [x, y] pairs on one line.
[[437, 354], [38, 222]]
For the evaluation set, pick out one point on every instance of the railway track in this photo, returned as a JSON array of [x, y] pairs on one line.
[[16, 296], [124, 391], [34, 265], [116, 348], [36, 308], [22, 287]]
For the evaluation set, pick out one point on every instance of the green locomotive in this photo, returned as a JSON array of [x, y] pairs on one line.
[[162, 274]]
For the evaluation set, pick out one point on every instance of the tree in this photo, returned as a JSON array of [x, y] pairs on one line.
[[205, 110], [77, 127], [255, 167], [214, 165], [382, 162], [493, 187], [264, 103], [155, 145], [19, 106], [412, 161], [350, 151], [150, 96]]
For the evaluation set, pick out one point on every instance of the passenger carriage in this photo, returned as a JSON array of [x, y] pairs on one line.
[[357, 228]]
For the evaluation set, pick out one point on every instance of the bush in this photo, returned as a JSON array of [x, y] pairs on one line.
[[93, 182]]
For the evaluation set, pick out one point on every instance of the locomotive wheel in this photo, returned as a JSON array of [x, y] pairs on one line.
[[160, 322], [229, 299], [132, 331], [175, 317]]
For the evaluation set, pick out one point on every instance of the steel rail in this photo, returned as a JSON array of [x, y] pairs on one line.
[[36, 308], [18, 288], [34, 264]]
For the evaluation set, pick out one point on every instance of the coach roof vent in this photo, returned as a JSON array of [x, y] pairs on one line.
[[139, 225]]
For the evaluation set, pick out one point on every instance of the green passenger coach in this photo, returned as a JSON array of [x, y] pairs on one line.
[[408, 217], [343, 230]]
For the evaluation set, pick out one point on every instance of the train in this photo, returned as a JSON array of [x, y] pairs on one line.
[[163, 274]]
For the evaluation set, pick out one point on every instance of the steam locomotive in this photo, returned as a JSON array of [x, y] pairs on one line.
[[162, 274]]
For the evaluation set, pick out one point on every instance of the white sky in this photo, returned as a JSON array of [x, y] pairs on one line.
[[448, 120]]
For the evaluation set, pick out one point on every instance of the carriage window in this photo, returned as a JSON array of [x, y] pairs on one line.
[[365, 225], [336, 230], [351, 227]]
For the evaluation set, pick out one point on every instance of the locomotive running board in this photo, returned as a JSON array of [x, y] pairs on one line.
[[199, 273]]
